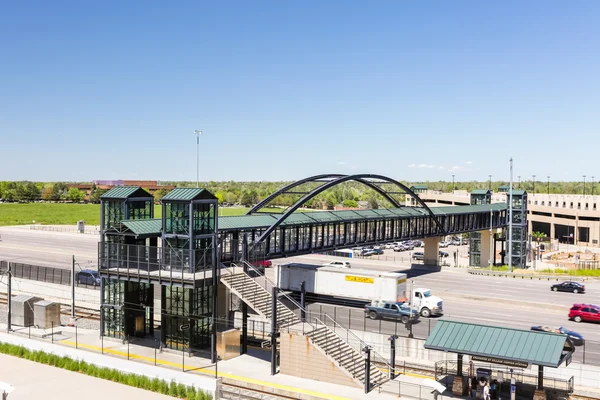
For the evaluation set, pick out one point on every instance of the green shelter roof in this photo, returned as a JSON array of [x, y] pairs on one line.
[[481, 191], [518, 192], [504, 187], [188, 194], [144, 227], [538, 348], [418, 187], [125, 192]]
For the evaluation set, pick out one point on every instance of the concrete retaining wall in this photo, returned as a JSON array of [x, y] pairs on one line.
[[299, 357]]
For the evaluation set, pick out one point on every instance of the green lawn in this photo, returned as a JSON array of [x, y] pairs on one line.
[[69, 214]]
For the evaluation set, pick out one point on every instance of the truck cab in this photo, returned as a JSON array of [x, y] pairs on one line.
[[426, 303]]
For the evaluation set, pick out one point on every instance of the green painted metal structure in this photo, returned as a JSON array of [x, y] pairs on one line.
[[537, 348]]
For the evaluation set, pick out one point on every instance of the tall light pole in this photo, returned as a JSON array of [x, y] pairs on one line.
[[198, 133], [490, 188], [548, 184], [510, 217], [533, 184], [453, 187], [593, 184], [584, 186], [519, 181]]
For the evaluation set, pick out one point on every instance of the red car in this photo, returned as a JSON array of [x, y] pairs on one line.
[[262, 263], [585, 312]]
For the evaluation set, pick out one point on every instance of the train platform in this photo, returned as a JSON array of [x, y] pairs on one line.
[[253, 369]]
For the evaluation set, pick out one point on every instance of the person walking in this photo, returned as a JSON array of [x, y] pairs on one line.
[[486, 391], [474, 383]]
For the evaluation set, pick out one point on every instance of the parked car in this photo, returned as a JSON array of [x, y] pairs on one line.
[[408, 245], [418, 255], [568, 286], [389, 246], [88, 277], [339, 264], [375, 252], [399, 248], [418, 243], [584, 312], [444, 244], [443, 254], [575, 337]]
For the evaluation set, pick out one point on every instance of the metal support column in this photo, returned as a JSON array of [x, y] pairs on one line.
[[392, 340], [244, 344], [73, 287], [367, 351], [9, 298], [459, 365], [303, 301], [540, 382], [274, 332]]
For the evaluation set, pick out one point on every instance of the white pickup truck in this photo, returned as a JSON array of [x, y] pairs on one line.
[[426, 303]]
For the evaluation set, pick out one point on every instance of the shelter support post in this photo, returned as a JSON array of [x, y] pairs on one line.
[[459, 365], [540, 393]]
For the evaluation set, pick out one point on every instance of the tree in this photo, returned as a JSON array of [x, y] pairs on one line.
[[220, 197], [47, 193], [59, 191], [373, 203], [160, 193], [246, 199], [329, 203], [96, 194], [75, 195], [539, 236], [350, 204]]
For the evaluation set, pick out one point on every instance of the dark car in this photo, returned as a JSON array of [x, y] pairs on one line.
[[575, 337], [88, 277], [443, 254], [584, 312], [573, 287]]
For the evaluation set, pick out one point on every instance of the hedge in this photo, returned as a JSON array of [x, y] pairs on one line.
[[139, 381]]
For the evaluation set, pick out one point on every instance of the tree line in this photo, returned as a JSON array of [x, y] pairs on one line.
[[348, 194]]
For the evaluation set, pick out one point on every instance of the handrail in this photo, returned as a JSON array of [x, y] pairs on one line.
[[374, 355]]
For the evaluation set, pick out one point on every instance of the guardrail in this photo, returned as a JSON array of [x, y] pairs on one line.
[[59, 276], [557, 277]]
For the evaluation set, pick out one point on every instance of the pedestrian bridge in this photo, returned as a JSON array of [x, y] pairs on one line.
[[275, 235]]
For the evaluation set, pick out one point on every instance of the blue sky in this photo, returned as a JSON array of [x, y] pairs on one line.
[[284, 90]]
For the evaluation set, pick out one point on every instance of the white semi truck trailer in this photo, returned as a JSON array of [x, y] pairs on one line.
[[354, 284]]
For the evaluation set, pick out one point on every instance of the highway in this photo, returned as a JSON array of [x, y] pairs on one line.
[[49, 249], [497, 301]]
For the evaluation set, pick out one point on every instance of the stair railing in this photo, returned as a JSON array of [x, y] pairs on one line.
[[350, 338]]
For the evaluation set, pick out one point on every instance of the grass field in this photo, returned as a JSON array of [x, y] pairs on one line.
[[69, 214]]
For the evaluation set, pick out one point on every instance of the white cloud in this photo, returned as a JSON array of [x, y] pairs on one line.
[[421, 166], [441, 167], [454, 168], [468, 162], [341, 162], [412, 166]]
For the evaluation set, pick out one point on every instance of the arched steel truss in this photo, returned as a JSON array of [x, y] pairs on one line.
[[339, 178]]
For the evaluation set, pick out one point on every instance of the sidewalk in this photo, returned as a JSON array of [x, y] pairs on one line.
[[251, 368]]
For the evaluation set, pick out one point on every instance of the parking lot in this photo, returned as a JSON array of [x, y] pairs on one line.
[[450, 254]]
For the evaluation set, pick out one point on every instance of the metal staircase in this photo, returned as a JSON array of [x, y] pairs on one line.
[[333, 340]]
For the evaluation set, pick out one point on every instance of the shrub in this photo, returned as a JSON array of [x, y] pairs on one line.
[[173, 389]]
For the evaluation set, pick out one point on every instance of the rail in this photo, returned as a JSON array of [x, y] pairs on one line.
[[548, 277], [350, 338]]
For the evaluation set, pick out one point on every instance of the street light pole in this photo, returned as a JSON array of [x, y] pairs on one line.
[[510, 218], [533, 184], [453, 187], [548, 184], [519, 181], [198, 133], [584, 186], [593, 184], [490, 188]]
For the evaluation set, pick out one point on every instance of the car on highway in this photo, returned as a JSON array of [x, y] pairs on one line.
[[88, 277], [391, 310], [584, 312], [575, 337], [338, 264], [418, 255], [568, 286]]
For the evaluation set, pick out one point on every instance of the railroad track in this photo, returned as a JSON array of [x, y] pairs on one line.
[[234, 392]]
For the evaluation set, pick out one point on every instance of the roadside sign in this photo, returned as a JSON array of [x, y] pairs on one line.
[[184, 327]]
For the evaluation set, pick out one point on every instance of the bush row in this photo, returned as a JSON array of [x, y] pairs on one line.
[[155, 385]]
